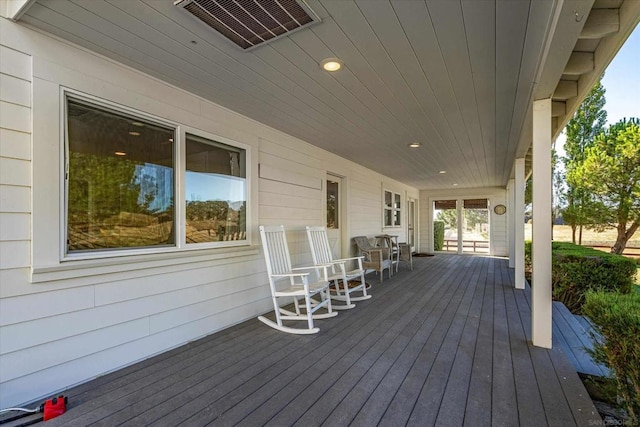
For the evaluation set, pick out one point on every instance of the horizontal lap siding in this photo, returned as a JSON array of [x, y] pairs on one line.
[[59, 332], [426, 226], [15, 196], [366, 204], [15, 160]]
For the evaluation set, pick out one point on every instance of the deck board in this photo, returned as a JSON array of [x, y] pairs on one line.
[[478, 406], [445, 344], [504, 409], [556, 407]]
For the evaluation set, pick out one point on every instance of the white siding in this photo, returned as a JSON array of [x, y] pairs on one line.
[[498, 238], [62, 323]]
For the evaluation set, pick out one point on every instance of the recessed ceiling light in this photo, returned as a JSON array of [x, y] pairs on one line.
[[455, 185], [331, 64], [120, 153], [414, 145], [134, 133], [139, 124], [442, 171]]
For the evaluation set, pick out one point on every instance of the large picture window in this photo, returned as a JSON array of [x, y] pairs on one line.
[[121, 179], [120, 185]]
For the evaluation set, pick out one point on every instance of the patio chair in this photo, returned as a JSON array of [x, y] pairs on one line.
[[298, 285], [322, 255], [375, 259], [400, 252]]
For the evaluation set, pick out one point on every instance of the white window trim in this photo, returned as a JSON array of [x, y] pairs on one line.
[[392, 209], [181, 190], [49, 258]]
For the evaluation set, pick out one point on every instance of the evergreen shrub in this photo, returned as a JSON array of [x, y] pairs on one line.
[[438, 235], [617, 319], [578, 269]]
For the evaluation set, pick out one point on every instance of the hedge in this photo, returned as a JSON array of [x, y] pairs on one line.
[[617, 319], [579, 269], [438, 235]]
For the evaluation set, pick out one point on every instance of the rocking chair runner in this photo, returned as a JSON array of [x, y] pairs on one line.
[[278, 260], [322, 255]]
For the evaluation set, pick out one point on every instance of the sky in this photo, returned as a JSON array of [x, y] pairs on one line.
[[622, 81]]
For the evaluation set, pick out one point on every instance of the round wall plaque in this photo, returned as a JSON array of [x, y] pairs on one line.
[[500, 209]]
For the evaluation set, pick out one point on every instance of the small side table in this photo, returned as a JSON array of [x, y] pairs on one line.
[[390, 241], [405, 254]]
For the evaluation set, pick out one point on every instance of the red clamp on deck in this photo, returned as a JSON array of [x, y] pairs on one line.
[[54, 407]]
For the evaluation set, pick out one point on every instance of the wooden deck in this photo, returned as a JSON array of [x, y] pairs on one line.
[[446, 345]]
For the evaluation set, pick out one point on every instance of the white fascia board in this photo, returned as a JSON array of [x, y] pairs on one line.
[[14, 9]]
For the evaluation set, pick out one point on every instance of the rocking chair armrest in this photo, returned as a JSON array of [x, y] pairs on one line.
[[341, 260], [324, 268], [290, 275], [311, 267]]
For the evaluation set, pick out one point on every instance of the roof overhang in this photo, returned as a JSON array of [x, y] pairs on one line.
[[459, 77]]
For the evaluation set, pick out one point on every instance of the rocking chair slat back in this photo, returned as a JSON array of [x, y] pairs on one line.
[[323, 255], [277, 251], [321, 249]]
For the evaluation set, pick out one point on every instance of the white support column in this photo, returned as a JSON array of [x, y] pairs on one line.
[[459, 208], [518, 216], [541, 256], [511, 222]]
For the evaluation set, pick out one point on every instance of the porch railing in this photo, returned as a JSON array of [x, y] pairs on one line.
[[477, 245]]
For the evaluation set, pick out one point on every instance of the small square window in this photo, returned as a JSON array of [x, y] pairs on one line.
[[392, 209], [216, 192]]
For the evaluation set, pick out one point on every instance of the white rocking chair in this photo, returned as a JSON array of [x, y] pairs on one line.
[[322, 256], [276, 255]]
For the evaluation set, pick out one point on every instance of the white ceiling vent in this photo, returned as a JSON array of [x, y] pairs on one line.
[[250, 23]]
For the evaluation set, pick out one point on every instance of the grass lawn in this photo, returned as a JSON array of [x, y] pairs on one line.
[[562, 233]]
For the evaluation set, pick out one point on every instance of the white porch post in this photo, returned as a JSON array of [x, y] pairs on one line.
[[541, 255], [518, 217], [511, 222], [459, 208]]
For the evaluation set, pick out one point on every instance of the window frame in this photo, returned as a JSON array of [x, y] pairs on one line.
[[219, 141], [180, 131], [394, 212]]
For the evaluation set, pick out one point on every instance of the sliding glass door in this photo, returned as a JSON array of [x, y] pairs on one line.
[[461, 226]]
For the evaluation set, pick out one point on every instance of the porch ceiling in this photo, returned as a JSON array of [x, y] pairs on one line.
[[456, 76]]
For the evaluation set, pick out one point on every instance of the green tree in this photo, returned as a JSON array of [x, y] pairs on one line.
[[449, 217], [611, 174], [587, 122], [197, 210], [558, 180], [101, 187]]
